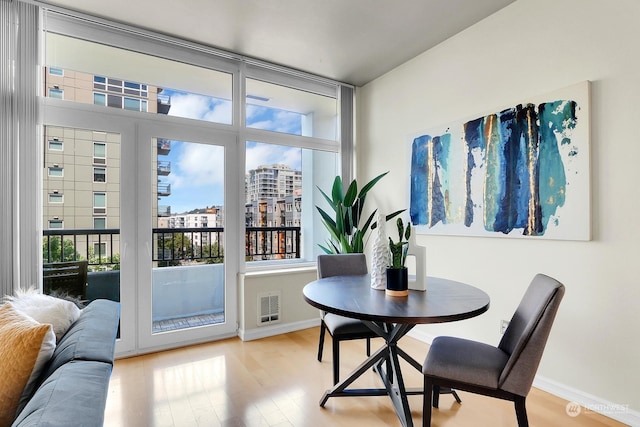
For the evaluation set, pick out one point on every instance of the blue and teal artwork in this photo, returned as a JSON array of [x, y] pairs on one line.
[[521, 171]]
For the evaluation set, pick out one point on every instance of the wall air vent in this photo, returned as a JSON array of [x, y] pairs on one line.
[[268, 307]]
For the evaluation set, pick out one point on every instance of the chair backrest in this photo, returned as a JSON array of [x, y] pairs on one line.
[[525, 338], [66, 278], [341, 265]]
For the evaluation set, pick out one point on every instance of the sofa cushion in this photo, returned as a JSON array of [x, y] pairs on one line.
[[74, 395], [91, 337], [26, 346]]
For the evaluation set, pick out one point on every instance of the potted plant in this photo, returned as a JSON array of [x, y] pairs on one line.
[[347, 234], [397, 275]]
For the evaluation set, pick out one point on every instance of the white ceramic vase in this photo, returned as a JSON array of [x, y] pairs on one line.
[[379, 255]]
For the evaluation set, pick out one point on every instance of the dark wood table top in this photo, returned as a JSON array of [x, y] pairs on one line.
[[352, 296]]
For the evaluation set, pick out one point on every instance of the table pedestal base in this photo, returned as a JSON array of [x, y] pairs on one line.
[[386, 363]]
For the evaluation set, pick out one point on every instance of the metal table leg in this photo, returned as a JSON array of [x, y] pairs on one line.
[[386, 363]]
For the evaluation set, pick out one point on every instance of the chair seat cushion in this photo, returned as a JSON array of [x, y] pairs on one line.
[[340, 325], [466, 361]]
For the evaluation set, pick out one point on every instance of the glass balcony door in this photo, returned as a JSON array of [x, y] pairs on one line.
[[188, 217], [88, 224]]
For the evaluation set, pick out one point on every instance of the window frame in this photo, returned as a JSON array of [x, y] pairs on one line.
[[57, 221], [55, 141], [104, 218], [241, 68], [55, 90], [55, 194], [55, 167], [99, 210], [104, 169]]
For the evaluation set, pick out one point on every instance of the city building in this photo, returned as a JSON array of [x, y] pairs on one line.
[[81, 177], [273, 181]]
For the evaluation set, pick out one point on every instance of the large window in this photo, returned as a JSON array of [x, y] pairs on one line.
[[290, 126]]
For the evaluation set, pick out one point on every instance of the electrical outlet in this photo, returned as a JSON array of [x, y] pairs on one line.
[[503, 326]]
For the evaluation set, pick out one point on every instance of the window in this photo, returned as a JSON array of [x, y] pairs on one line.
[[55, 223], [278, 108], [99, 203], [294, 132], [100, 249], [56, 171], [281, 174], [56, 198], [99, 98], [55, 92], [99, 175], [114, 101], [155, 85], [55, 145], [99, 153], [99, 82], [100, 223], [135, 104]]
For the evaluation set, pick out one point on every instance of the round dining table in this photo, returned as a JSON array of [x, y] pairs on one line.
[[392, 318]]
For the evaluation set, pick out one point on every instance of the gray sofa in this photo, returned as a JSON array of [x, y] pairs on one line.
[[72, 389]]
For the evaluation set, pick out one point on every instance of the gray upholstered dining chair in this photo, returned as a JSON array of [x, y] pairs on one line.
[[339, 327], [504, 372]]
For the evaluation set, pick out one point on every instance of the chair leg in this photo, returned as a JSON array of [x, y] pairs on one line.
[[426, 403], [323, 327], [521, 411], [436, 396], [336, 361], [368, 347]]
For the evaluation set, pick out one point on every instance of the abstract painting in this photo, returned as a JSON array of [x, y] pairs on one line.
[[522, 171]]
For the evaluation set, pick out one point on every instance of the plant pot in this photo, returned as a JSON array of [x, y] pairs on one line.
[[397, 282]]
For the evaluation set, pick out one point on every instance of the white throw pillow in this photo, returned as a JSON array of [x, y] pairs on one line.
[[46, 309]]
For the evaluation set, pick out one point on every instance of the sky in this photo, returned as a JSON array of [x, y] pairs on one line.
[[197, 170]]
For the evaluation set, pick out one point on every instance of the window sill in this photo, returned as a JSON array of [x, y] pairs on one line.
[[278, 269]]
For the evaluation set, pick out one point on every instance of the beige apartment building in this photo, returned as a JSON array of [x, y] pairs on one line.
[[81, 175]]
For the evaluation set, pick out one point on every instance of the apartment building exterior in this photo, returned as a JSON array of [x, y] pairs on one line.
[[81, 175], [273, 200]]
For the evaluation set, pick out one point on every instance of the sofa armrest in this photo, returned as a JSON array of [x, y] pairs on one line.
[[91, 337], [75, 394]]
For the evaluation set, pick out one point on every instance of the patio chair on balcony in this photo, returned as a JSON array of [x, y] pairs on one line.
[[66, 278]]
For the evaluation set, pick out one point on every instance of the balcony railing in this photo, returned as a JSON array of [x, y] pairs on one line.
[[164, 167], [172, 246], [164, 146], [267, 243], [164, 210], [164, 189], [96, 246]]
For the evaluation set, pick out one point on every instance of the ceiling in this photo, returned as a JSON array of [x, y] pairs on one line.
[[352, 41]]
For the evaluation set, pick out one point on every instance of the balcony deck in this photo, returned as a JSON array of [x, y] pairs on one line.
[[187, 322]]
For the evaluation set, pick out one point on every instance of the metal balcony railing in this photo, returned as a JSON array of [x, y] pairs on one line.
[[164, 167], [172, 246], [164, 146], [99, 247], [164, 189], [164, 210]]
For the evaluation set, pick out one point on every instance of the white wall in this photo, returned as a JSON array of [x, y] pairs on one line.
[[531, 48], [295, 313]]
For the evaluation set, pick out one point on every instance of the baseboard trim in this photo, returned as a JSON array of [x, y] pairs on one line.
[[269, 331], [586, 401]]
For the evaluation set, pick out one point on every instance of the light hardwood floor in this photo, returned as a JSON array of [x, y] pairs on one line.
[[277, 381]]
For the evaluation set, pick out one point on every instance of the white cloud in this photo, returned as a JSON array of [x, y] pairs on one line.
[[200, 107], [198, 165], [268, 154]]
